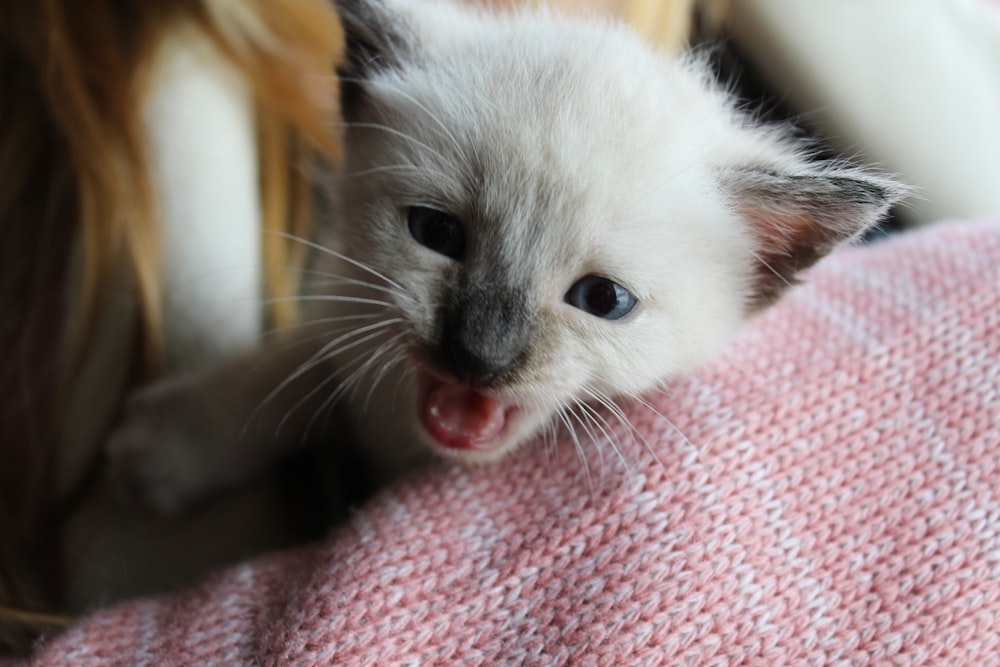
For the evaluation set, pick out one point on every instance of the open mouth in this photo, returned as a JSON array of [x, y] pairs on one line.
[[462, 418]]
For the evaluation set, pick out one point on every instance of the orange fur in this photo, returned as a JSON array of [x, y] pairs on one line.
[[76, 186]]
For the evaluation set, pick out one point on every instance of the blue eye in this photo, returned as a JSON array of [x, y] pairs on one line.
[[601, 297], [438, 231]]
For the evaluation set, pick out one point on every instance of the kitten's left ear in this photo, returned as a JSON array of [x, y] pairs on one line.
[[378, 39], [377, 36], [797, 218]]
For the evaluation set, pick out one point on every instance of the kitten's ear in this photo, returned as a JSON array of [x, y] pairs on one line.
[[377, 37], [797, 218]]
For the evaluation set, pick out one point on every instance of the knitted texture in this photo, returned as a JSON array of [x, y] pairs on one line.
[[826, 492]]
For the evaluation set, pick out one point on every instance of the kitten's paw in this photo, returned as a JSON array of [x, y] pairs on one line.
[[162, 452]]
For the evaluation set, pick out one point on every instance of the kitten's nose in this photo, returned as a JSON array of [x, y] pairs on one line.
[[484, 335], [477, 368]]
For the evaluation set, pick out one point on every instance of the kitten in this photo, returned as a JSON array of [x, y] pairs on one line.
[[535, 212]]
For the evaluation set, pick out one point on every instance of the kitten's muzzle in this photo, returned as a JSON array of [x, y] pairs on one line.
[[484, 336]]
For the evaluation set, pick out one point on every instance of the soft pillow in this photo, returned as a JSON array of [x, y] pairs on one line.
[[824, 493]]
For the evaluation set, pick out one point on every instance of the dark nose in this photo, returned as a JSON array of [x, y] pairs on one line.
[[484, 335], [473, 363]]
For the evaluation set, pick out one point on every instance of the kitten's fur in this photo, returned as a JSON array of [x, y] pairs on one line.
[[561, 149]]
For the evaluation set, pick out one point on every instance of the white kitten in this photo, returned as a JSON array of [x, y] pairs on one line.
[[535, 213]]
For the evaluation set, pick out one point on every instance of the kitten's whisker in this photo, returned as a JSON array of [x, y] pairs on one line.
[[395, 355], [306, 398], [395, 359], [548, 433], [329, 279], [397, 133], [444, 128], [550, 438], [592, 416], [641, 401], [332, 348], [373, 381], [349, 384], [623, 419], [300, 340], [334, 336], [338, 255], [305, 324], [273, 394], [584, 424], [335, 298], [581, 454], [771, 269], [329, 285], [389, 168], [345, 381], [602, 425], [325, 353], [612, 407]]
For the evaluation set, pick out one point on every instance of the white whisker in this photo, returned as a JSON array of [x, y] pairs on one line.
[[641, 401], [349, 384], [397, 133], [550, 437], [579, 412], [396, 357], [342, 383], [635, 435], [771, 269], [444, 128], [388, 169], [340, 256], [602, 425], [327, 352], [325, 279], [310, 395], [305, 324], [335, 298], [581, 454]]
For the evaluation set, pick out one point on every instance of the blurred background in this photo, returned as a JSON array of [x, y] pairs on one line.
[[911, 86]]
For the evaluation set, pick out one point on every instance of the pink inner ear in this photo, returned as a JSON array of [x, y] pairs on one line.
[[785, 242], [797, 218], [780, 233]]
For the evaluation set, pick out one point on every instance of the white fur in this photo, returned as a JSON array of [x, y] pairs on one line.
[[203, 154]]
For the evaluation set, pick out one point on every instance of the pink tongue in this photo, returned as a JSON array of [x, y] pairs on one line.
[[461, 418]]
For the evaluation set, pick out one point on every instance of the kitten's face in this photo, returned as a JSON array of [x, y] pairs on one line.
[[554, 209]]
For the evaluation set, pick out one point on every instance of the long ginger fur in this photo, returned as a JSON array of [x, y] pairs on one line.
[[77, 203]]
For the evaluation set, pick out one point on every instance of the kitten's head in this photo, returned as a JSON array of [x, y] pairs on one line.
[[567, 214]]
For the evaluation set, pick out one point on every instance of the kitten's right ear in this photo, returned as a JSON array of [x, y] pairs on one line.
[[798, 214]]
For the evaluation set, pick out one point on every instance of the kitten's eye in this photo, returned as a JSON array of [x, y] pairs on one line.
[[601, 297], [438, 231]]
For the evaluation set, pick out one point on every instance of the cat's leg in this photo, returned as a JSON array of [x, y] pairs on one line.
[[186, 438]]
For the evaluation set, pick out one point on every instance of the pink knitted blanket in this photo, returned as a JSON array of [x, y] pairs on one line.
[[828, 492]]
